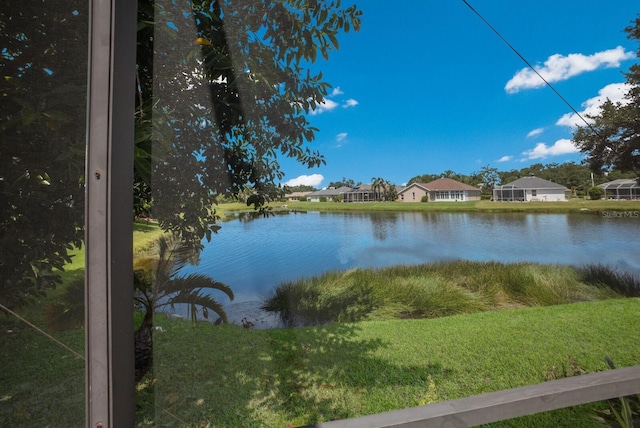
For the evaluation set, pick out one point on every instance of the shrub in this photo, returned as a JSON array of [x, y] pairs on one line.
[[323, 199], [595, 193], [425, 198]]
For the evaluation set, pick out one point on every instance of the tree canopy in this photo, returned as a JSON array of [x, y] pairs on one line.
[[224, 90], [42, 142], [612, 138]]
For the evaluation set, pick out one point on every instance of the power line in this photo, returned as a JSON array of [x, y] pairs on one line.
[[529, 65]]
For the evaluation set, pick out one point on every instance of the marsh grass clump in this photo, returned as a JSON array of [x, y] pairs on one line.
[[604, 276], [430, 291], [334, 296]]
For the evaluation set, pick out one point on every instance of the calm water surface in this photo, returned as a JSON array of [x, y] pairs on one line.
[[253, 255]]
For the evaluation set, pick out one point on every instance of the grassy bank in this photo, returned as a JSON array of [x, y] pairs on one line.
[[571, 206], [441, 289], [227, 376]]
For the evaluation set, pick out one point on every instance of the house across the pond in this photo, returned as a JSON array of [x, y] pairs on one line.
[[531, 188], [440, 190], [327, 194], [297, 196]]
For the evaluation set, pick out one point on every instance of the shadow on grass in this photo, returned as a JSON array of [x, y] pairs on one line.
[[286, 377]]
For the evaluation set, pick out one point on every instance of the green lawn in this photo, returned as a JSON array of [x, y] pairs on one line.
[[576, 205], [227, 376]]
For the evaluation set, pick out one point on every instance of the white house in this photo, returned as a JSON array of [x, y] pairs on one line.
[[530, 189], [327, 193]]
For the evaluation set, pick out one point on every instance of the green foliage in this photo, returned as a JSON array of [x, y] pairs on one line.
[[42, 143], [612, 139], [595, 193], [159, 286], [323, 199], [304, 376], [345, 182], [604, 276], [337, 198], [299, 188], [310, 303], [232, 95], [427, 291], [425, 198], [622, 412]]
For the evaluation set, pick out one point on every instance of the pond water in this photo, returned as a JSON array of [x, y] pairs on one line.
[[254, 254]]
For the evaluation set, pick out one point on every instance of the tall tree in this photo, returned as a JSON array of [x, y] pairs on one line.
[[345, 182], [489, 178], [390, 191], [377, 185], [224, 90], [612, 140]]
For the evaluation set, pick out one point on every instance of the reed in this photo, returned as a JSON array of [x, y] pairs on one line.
[[439, 289]]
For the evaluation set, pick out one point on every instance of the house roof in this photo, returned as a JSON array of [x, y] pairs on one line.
[[532, 182], [622, 183], [330, 191], [296, 194], [362, 188], [446, 184]]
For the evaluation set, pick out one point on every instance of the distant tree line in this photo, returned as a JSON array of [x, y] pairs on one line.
[[574, 176]]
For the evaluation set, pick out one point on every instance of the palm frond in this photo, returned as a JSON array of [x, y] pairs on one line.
[[196, 281], [196, 299]]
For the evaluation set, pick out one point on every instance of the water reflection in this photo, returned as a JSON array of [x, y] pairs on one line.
[[253, 254]]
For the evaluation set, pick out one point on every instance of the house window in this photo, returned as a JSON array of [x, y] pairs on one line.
[[534, 193]]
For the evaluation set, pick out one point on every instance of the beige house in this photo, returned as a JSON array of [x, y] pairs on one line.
[[297, 196], [440, 190]]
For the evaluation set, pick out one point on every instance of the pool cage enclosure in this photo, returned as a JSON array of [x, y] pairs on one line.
[[621, 189], [509, 193]]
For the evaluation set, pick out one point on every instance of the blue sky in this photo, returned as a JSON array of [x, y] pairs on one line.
[[426, 86]]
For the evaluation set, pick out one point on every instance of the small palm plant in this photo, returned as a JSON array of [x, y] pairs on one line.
[[158, 286]]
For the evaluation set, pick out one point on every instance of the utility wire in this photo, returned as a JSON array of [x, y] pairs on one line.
[[529, 65]]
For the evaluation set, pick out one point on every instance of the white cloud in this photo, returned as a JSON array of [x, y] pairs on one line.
[[614, 92], [341, 136], [350, 103], [336, 91], [535, 132], [306, 180], [325, 105], [505, 159], [559, 67], [541, 150]]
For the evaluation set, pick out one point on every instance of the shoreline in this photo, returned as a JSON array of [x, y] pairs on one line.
[[572, 206]]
